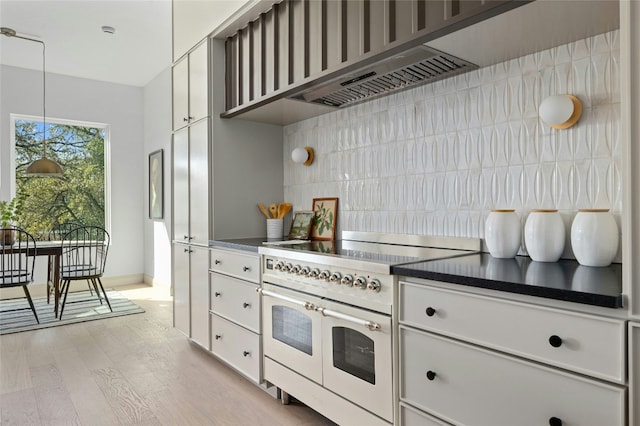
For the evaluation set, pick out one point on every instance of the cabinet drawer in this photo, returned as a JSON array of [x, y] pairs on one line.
[[239, 265], [587, 344], [409, 416], [482, 387], [236, 300], [236, 346]]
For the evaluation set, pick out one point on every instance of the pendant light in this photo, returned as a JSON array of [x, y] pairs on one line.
[[43, 166]]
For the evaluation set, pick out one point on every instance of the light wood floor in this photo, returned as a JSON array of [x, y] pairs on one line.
[[129, 370]]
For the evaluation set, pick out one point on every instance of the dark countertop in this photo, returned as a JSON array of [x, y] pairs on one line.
[[564, 280], [246, 244]]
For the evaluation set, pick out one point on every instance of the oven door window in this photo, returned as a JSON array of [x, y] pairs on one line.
[[354, 353], [292, 328]]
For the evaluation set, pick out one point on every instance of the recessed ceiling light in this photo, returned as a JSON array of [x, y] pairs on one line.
[[107, 29]]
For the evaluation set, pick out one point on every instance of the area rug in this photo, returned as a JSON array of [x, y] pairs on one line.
[[81, 306]]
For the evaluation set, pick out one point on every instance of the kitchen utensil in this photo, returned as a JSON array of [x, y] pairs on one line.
[[264, 210], [274, 210], [283, 209]]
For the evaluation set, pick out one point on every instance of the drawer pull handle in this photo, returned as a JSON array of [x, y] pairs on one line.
[[217, 294], [430, 311], [246, 353], [555, 341], [246, 305], [245, 268], [554, 421], [431, 375], [217, 261], [218, 336]]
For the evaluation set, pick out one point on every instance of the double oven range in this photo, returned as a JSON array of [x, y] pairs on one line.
[[328, 314]]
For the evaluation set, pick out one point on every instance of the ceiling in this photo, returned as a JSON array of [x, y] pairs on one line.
[[75, 45]]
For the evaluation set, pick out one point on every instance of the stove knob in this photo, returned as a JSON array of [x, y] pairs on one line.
[[374, 285], [304, 271], [324, 275], [287, 267], [361, 282], [347, 280], [278, 266], [295, 269], [335, 278], [314, 273]]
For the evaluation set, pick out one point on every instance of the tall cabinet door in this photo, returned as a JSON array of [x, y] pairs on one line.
[[634, 373], [200, 296], [181, 290], [199, 182], [198, 83], [180, 87], [181, 185]]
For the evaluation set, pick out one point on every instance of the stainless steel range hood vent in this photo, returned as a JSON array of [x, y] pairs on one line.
[[419, 65]]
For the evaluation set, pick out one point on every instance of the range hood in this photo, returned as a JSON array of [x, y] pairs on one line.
[[418, 65]]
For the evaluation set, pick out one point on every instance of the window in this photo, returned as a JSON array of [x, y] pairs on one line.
[[79, 197]]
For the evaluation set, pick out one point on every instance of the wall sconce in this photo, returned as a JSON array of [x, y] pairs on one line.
[[303, 155], [560, 111]]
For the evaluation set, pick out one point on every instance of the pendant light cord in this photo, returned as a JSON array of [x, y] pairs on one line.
[[44, 103], [44, 89]]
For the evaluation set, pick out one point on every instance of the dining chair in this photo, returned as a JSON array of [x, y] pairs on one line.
[[56, 233], [17, 261], [59, 230], [84, 255]]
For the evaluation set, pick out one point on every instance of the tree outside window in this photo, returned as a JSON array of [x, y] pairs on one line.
[[79, 196]]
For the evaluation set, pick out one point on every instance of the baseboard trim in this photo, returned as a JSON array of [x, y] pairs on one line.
[[40, 289]]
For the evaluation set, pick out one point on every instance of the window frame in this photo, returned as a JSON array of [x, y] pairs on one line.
[[106, 128]]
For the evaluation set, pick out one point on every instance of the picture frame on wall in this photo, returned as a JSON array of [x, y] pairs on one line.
[[325, 212], [156, 184], [301, 225]]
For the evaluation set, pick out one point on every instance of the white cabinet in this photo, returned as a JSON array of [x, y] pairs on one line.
[[191, 292], [585, 344], [236, 264], [472, 359], [199, 274], [181, 289], [190, 87], [191, 184], [235, 311], [194, 19], [634, 373], [465, 384], [222, 167]]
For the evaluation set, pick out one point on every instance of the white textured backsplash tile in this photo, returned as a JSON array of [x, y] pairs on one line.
[[437, 158]]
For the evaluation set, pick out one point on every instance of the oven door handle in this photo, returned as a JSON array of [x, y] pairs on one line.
[[307, 305], [373, 326]]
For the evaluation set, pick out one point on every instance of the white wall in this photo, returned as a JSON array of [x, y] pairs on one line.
[[119, 106], [157, 135], [436, 159]]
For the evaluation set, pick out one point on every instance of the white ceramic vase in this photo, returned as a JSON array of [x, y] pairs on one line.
[[502, 233], [594, 237], [544, 235]]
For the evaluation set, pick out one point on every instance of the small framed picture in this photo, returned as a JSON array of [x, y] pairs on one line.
[[325, 212], [301, 225]]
